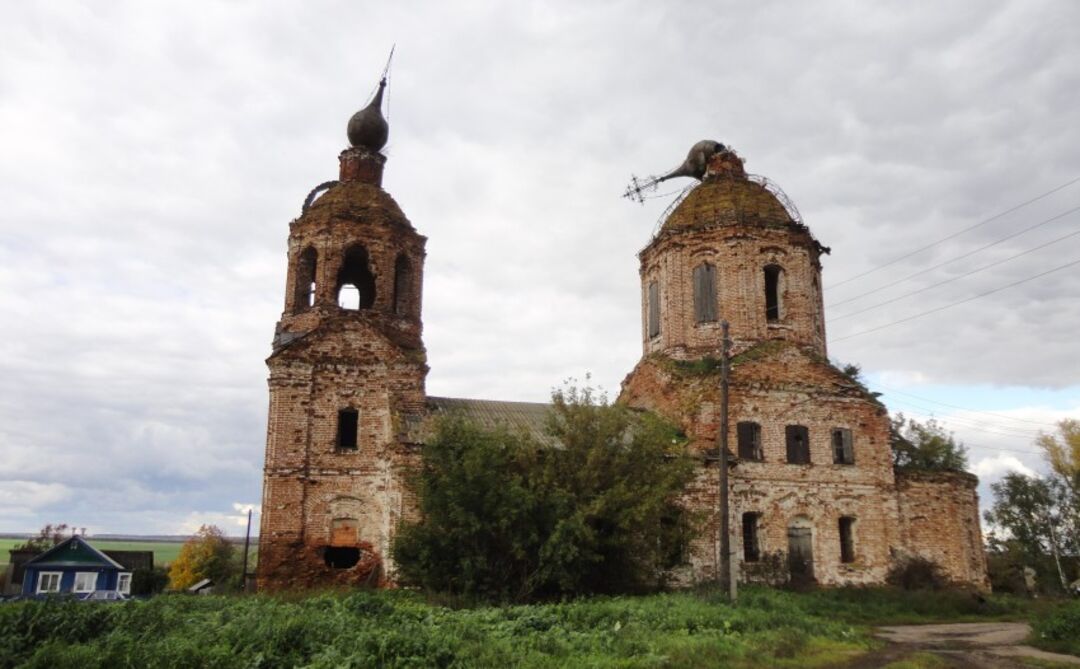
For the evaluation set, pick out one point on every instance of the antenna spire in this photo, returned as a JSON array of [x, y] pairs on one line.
[[368, 128]]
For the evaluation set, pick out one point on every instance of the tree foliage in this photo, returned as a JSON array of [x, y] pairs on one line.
[[47, 537], [925, 446], [208, 554], [505, 518], [1035, 521]]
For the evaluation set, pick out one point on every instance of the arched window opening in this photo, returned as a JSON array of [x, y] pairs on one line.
[[705, 293], [341, 557], [402, 284], [847, 539], [843, 446], [773, 274], [347, 427], [355, 282], [653, 309], [751, 543], [749, 438], [798, 444], [304, 288]]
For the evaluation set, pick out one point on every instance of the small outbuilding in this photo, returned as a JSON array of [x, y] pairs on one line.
[[74, 567]]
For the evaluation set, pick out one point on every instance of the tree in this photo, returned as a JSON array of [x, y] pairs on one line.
[[505, 518], [208, 554], [925, 446], [1036, 520], [1030, 516], [1063, 456], [47, 537]]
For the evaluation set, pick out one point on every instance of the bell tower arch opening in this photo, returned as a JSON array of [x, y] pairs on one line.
[[304, 283], [355, 281]]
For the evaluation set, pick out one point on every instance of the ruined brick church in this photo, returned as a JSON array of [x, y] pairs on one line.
[[812, 486]]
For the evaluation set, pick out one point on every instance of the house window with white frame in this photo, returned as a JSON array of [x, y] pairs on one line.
[[48, 581], [123, 583], [85, 581]]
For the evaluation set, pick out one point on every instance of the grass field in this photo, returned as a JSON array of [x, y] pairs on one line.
[[164, 552], [768, 628]]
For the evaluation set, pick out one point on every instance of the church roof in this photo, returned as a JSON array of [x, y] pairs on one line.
[[726, 199], [357, 200], [527, 417]]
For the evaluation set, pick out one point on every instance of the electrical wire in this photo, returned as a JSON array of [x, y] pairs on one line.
[[957, 234], [954, 406], [959, 257], [954, 304], [950, 280], [975, 424]]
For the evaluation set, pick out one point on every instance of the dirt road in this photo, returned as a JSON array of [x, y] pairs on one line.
[[964, 645]]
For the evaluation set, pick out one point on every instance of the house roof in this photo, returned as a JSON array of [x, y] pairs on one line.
[[73, 552], [526, 417]]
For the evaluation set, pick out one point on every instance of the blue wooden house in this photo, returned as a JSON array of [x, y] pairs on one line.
[[74, 567]]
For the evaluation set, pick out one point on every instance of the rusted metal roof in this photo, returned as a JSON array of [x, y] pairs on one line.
[[526, 417]]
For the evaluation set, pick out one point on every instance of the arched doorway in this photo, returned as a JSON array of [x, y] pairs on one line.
[[801, 550]]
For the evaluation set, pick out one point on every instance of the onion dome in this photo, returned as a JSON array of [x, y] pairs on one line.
[[368, 128]]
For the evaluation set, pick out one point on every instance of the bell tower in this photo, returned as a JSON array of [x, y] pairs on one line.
[[347, 373]]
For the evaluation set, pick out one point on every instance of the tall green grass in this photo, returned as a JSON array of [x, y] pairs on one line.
[[398, 629], [767, 628]]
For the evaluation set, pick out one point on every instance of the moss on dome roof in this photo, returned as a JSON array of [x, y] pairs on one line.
[[726, 200], [357, 200]]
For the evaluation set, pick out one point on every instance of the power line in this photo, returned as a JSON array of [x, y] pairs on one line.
[[954, 406], [949, 280], [959, 257], [974, 424], [954, 304], [957, 234], [995, 448]]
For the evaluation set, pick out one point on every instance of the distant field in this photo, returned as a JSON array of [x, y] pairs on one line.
[[164, 552]]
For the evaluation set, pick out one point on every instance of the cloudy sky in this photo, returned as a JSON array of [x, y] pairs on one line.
[[153, 154]]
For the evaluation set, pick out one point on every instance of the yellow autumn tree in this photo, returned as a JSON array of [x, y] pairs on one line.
[[208, 554], [1064, 454]]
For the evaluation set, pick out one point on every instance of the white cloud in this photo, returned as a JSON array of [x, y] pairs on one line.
[[997, 466], [154, 155]]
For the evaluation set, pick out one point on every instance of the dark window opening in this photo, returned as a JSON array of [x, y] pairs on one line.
[[705, 293], [749, 437], [772, 293], [304, 288], [798, 444], [341, 557], [355, 282], [847, 542], [402, 280], [843, 449], [654, 309], [751, 547], [347, 420]]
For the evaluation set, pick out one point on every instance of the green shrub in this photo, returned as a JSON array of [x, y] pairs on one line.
[[506, 519], [1059, 630]]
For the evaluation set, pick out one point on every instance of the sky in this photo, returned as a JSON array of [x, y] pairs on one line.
[[152, 155]]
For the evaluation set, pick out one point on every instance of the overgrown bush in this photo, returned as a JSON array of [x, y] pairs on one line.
[[1059, 630], [506, 519], [915, 572]]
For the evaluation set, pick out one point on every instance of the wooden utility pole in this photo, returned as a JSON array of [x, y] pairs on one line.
[[727, 564], [247, 542]]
